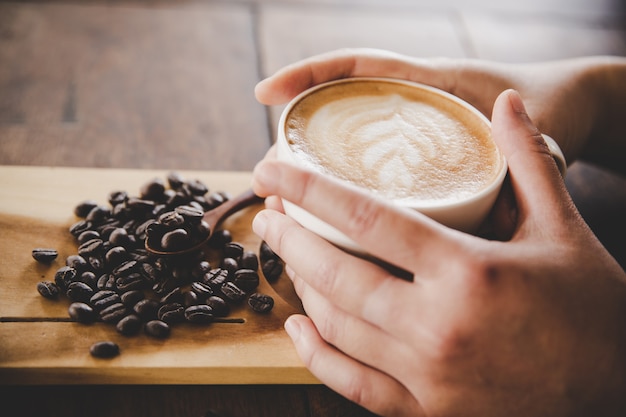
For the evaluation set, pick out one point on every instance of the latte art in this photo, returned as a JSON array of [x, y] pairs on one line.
[[402, 143]]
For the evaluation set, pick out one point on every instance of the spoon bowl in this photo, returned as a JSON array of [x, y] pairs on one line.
[[214, 218]]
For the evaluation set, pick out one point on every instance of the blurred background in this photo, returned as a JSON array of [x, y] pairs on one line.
[[169, 83]]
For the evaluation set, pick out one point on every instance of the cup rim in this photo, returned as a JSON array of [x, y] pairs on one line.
[[494, 185]]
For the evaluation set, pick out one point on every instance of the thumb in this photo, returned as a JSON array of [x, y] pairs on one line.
[[538, 187]]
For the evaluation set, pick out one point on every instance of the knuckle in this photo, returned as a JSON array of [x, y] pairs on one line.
[[363, 216]]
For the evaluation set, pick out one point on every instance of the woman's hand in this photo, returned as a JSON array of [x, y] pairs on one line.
[[529, 327], [565, 99]]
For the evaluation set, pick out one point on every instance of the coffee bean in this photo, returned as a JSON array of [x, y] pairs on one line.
[[79, 227], [115, 256], [232, 292], [88, 235], [246, 279], [104, 349], [249, 260], [202, 290], [157, 329], [215, 278], [272, 269], [45, 255], [79, 291], [233, 250], [153, 190], [113, 313], [176, 239], [120, 237], [175, 180], [129, 325], [261, 303], [82, 313], [146, 309], [117, 197], [171, 313], [91, 247], [133, 281], [48, 290], [76, 262], [64, 276], [200, 314], [130, 298], [103, 299], [83, 208], [218, 305], [171, 219]]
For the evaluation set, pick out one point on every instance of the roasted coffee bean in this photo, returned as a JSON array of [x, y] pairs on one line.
[[119, 237], [103, 299], [200, 269], [125, 268], [138, 206], [133, 281], [98, 214], [89, 278], [64, 276], [91, 247], [190, 214], [266, 253], [79, 227], [79, 291], [230, 265], [196, 187], [148, 271], [218, 305], [146, 309], [171, 313], [220, 238], [171, 219], [106, 282], [115, 256], [200, 314], [129, 325], [157, 329], [104, 350], [83, 208], [87, 235], [190, 298], [113, 313], [76, 262], [215, 278], [175, 240], [261, 303], [153, 190], [82, 313], [249, 260], [130, 298], [272, 269], [246, 279], [232, 292], [233, 250], [117, 197], [201, 289], [48, 290], [173, 296], [45, 255], [175, 180], [96, 263]]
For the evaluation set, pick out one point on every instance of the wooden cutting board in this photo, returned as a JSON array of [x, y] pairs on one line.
[[38, 343]]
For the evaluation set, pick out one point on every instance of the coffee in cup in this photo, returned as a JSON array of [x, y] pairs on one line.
[[408, 143]]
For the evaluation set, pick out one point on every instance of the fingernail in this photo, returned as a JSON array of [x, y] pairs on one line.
[[516, 102], [292, 327], [259, 224]]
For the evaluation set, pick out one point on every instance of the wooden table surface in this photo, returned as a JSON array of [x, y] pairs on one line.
[[168, 85]]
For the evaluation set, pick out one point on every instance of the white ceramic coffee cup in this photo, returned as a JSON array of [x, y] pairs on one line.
[[465, 214]]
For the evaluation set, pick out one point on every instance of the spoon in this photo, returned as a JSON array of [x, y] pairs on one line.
[[214, 218]]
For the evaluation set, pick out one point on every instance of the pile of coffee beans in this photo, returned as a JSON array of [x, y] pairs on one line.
[[115, 280]]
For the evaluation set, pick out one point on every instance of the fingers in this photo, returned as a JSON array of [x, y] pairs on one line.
[[366, 386], [399, 236], [539, 189], [346, 281], [295, 78]]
